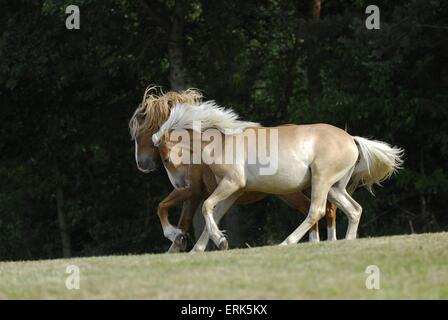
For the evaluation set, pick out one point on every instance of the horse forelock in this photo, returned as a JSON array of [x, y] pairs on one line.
[[156, 106]]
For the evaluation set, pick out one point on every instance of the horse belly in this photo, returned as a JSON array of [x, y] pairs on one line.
[[287, 179]]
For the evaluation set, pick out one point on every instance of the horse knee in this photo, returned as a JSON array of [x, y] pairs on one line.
[[207, 207], [161, 208]]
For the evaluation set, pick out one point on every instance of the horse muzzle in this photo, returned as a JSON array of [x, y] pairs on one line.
[[146, 165]]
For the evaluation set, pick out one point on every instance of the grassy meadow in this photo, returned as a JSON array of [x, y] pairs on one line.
[[411, 267]]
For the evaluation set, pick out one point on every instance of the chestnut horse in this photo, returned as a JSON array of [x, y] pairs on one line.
[[146, 120], [321, 156]]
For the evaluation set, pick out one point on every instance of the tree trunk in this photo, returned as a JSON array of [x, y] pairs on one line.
[[422, 195], [175, 47], [424, 212], [288, 85], [313, 55], [63, 229]]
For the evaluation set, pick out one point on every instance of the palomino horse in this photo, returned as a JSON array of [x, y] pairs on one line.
[[147, 119], [321, 156], [198, 181]]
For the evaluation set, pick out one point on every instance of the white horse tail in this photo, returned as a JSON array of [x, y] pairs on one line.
[[377, 162]]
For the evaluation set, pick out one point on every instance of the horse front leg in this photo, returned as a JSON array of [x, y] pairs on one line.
[[176, 196], [226, 189], [180, 242], [184, 224], [219, 211]]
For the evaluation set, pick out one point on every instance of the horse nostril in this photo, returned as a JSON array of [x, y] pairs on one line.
[[144, 164], [151, 166]]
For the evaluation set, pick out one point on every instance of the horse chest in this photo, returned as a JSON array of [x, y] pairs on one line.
[[178, 179]]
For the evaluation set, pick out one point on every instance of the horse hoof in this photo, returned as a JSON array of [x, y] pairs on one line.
[[181, 241], [223, 244], [173, 249]]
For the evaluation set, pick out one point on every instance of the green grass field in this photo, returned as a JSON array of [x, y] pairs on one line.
[[412, 267]]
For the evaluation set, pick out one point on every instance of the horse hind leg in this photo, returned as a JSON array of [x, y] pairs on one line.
[[330, 216], [341, 198], [313, 234], [319, 193], [301, 203]]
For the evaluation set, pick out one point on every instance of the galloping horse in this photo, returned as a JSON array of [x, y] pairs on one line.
[[147, 119], [199, 180], [320, 155]]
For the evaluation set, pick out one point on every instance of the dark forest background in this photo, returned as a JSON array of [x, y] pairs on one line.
[[69, 185]]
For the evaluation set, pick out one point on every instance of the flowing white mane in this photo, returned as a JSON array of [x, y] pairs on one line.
[[208, 113]]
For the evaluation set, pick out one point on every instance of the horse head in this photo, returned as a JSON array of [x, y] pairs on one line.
[[149, 116]]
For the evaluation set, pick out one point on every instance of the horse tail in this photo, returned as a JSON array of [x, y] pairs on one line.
[[377, 162]]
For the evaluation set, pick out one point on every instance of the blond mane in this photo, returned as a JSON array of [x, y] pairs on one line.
[[208, 113], [155, 108]]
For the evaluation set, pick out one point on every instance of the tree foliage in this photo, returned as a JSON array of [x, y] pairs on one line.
[[66, 97]]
